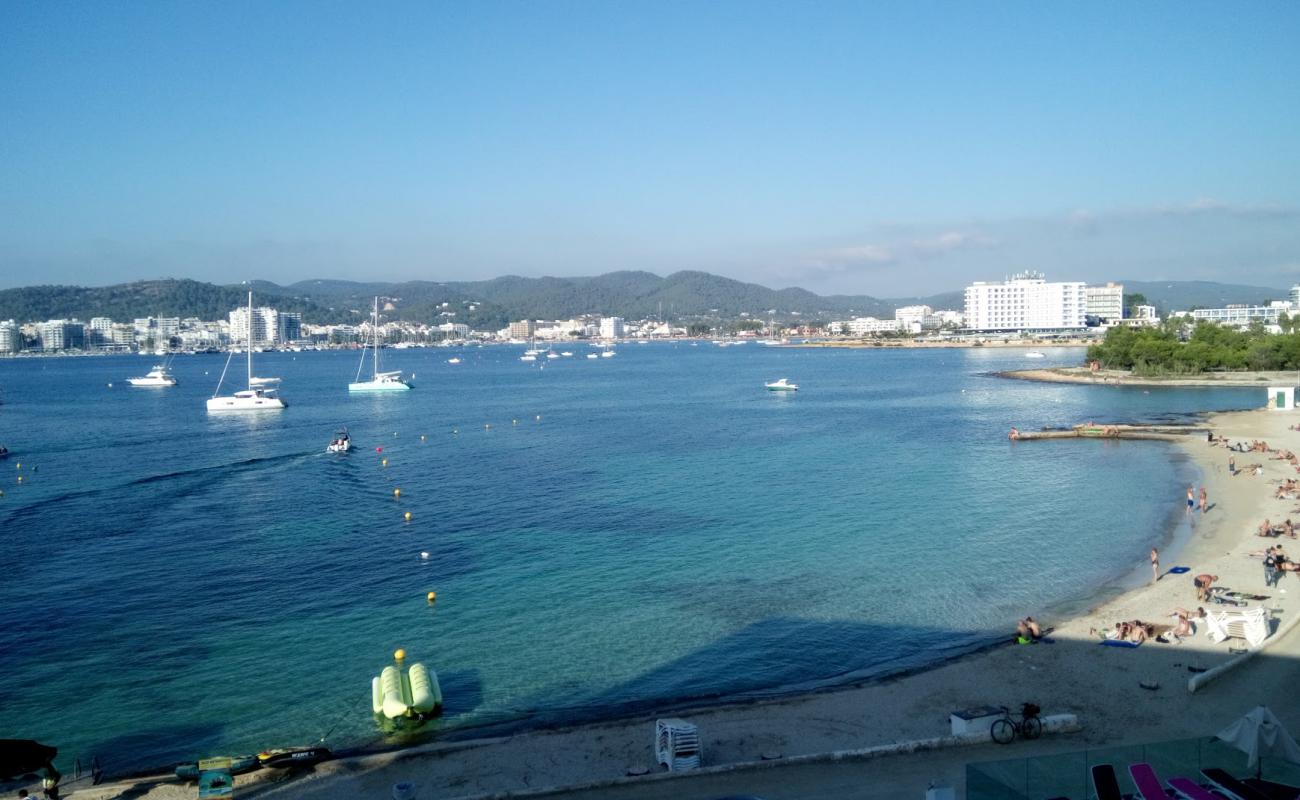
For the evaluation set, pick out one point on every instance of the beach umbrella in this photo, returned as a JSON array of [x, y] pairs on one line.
[[22, 756], [1259, 734]]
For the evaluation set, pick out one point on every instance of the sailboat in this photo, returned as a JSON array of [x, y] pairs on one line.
[[257, 397], [380, 381]]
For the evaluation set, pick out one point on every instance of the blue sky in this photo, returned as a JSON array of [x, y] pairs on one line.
[[885, 149]]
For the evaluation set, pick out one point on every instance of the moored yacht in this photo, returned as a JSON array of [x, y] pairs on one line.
[[782, 385], [158, 376], [379, 381], [258, 396]]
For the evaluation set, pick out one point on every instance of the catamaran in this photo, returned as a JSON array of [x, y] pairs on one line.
[[258, 396], [380, 381]]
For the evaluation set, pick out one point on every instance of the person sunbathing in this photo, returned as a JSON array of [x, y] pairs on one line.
[[1185, 617], [1028, 630], [1265, 529]]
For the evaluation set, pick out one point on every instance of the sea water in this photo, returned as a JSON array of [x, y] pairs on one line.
[[604, 536]]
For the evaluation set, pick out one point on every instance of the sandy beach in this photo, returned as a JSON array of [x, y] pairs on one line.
[[748, 747]]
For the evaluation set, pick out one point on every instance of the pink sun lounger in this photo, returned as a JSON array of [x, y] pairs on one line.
[[1147, 782]]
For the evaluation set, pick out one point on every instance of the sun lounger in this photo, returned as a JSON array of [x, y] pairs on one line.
[[1147, 782], [1105, 783], [1189, 789], [1276, 791], [1250, 625], [1230, 786]]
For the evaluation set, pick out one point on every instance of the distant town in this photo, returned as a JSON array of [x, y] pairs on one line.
[[1023, 305]]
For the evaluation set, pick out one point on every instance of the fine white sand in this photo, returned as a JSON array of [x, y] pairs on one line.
[[1074, 675]]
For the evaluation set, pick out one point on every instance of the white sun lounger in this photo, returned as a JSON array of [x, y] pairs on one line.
[[1250, 625]]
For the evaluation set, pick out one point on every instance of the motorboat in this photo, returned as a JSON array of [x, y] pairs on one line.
[[607, 354], [341, 442], [379, 381], [158, 376], [782, 385], [4, 451], [1035, 354], [566, 353], [453, 361], [259, 396], [593, 355], [528, 357]]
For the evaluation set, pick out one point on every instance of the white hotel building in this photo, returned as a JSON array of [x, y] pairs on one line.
[[1026, 302]]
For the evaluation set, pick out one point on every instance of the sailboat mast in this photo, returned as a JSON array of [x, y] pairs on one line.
[[375, 333], [250, 339]]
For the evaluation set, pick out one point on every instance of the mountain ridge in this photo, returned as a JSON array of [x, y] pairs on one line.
[[490, 304]]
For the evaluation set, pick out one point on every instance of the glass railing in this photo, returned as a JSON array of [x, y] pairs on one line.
[[1068, 776]]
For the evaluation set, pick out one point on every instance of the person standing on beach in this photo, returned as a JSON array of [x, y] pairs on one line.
[[1232, 465], [1203, 583], [1203, 498], [1191, 499], [1155, 565]]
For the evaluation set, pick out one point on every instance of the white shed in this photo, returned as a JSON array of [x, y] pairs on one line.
[[1281, 398]]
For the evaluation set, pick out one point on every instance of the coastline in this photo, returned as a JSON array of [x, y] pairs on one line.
[[1261, 380], [1096, 683], [863, 344]]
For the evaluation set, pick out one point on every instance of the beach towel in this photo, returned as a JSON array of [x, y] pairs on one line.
[[1118, 643], [1179, 570]]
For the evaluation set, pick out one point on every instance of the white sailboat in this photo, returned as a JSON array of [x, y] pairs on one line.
[[257, 397], [379, 381]]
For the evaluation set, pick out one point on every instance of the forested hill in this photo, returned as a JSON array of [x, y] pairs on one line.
[[126, 301], [682, 296]]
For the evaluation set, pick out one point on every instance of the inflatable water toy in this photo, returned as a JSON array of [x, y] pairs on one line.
[[401, 700], [296, 757]]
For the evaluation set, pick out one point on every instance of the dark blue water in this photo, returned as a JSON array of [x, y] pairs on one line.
[[648, 528]]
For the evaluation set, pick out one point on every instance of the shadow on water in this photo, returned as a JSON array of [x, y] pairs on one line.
[[1106, 687], [157, 748]]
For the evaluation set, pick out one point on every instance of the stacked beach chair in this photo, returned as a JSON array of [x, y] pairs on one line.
[[677, 744], [1250, 625]]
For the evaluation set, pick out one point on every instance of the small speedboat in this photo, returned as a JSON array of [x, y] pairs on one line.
[[341, 442], [4, 451], [453, 361], [1035, 354], [593, 355], [782, 385], [295, 757]]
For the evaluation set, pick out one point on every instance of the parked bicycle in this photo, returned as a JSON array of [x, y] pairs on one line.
[[1029, 726]]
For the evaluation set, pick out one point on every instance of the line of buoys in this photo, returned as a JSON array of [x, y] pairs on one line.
[[397, 493], [399, 654], [383, 462]]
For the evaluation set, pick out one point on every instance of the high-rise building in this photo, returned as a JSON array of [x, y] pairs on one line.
[[11, 337], [523, 329], [62, 334], [265, 323], [289, 326], [611, 327], [1106, 303], [1025, 302]]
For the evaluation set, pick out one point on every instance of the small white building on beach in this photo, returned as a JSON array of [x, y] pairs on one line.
[[1281, 398]]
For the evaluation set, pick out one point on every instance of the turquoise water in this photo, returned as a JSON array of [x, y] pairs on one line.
[[182, 585]]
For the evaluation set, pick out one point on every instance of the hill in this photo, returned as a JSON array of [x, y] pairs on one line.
[[1186, 295], [489, 305]]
